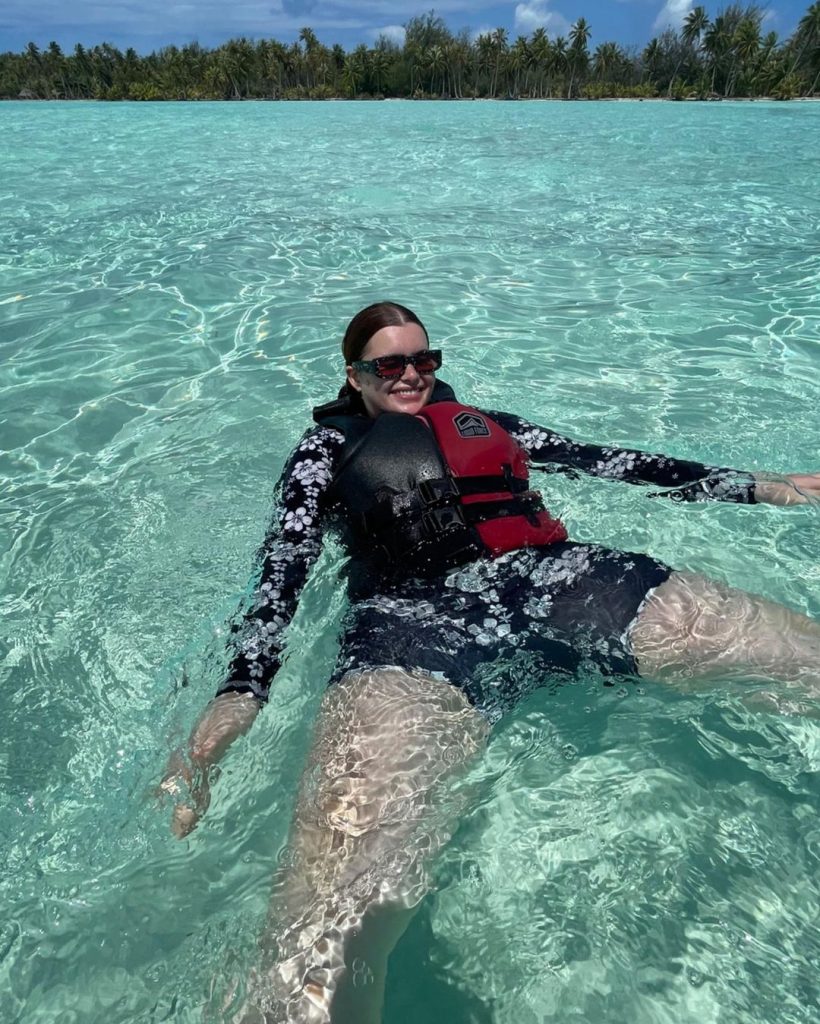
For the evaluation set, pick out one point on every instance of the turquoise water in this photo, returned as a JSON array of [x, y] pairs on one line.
[[175, 283]]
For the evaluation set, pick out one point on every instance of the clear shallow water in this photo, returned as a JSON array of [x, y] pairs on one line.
[[175, 282]]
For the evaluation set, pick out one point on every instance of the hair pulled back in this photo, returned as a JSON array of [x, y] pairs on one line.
[[372, 319]]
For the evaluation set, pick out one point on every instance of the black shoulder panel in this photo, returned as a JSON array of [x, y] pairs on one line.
[[390, 455]]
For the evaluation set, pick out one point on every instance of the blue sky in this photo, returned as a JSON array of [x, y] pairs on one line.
[[148, 24]]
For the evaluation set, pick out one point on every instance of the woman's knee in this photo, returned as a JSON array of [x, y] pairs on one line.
[[692, 627], [374, 806]]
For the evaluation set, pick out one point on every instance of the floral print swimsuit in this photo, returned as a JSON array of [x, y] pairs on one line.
[[495, 627]]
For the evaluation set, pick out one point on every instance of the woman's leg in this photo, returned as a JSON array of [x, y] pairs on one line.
[[377, 800], [694, 628]]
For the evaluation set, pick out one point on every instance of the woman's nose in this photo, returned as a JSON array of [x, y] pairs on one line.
[[411, 374]]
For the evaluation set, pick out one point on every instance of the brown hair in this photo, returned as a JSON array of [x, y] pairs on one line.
[[370, 320]]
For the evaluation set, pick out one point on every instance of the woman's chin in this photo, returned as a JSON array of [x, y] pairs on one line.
[[411, 403]]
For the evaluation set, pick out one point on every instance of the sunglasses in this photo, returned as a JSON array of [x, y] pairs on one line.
[[392, 367]]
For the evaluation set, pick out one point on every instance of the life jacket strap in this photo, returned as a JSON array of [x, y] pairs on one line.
[[450, 487], [527, 505], [439, 520], [435, 504]]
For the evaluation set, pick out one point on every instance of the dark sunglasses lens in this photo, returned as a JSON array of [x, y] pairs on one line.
[[426, 362], [390, 366]]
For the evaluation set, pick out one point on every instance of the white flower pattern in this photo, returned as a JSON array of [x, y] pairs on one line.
[[464, 621]]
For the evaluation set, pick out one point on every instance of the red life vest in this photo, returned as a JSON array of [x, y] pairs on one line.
[[417, 495], [490, 470]]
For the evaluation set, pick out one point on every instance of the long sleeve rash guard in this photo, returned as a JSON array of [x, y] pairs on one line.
[[294, 539]]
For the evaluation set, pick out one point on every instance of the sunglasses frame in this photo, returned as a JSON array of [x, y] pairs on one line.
[[374, 366]]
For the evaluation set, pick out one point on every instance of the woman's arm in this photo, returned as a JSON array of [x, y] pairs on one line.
[[789, 489], [690, 481], [291, 546]]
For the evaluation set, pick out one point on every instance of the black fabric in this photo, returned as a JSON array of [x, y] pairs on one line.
[[501, 628], [396, 505], [395, 454], [303, 515]]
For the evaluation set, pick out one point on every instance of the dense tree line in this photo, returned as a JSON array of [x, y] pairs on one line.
[[726, 56]]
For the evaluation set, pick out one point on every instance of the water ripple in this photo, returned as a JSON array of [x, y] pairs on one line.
[[175, 284]]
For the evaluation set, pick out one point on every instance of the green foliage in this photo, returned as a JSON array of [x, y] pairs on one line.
[[679, 90], [790, 86], [141, 91], [618, 91], [725, 56]]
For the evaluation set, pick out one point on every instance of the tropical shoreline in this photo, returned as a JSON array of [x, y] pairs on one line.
[[724, 57], [437, 99]]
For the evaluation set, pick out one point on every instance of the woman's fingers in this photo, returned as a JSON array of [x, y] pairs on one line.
[[183, 821], [186, 814], [191, 792]]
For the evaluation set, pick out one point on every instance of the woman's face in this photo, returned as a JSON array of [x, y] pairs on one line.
[[411, 391]]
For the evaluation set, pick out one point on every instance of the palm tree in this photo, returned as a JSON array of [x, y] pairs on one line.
[[717, 44], [769, 66], [55, 62], [355, 70], [578, 54], [746, 45], [499, 46], [728, 55], [807, 40], [519, 61], [605, 60], [437, 63], [457, 54], [412, 54], [695, 24], [379, 64], [540, 51], [484, 57], [318, 59], [217, 76], [559, 63], [274, 67], [238, 63], [292, 65], [449, 89], [808, 31], [651, 58], [307, 37]]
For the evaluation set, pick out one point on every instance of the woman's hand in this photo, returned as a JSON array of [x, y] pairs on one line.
[[189, 789], [187, 780], [789, 489]]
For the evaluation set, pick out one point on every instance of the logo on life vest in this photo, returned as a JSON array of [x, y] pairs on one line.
[[470, 424]]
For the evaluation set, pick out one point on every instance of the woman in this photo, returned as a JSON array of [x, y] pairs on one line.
[[465, 593]]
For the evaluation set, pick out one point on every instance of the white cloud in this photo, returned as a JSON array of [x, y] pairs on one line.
[[537, 14], [395, 33], [671, 15], [149, 23]]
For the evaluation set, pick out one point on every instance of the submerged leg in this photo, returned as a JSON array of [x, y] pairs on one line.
[[377, 800], [694, 628]]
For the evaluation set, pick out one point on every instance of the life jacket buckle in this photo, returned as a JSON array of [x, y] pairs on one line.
[[441, 490], [442, 520]]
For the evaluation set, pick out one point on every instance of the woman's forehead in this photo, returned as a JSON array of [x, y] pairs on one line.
[[403, 339]]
